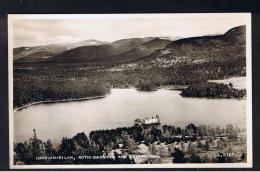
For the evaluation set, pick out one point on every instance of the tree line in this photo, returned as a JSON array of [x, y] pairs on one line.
[[34, 83], [214, 90], [127, 139]]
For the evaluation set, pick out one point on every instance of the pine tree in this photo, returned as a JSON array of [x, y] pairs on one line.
[[49, 149], [36, 146]]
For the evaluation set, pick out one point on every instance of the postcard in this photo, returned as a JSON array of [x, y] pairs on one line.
[[154, 90]]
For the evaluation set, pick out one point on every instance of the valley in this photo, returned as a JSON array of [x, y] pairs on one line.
[[148, 63]]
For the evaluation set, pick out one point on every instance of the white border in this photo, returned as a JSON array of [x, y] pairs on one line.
[[248, 164]]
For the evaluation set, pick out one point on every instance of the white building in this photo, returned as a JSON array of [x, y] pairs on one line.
[[151, 121]]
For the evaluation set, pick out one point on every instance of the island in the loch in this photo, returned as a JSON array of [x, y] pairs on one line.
[[213, 90], [147, 141]]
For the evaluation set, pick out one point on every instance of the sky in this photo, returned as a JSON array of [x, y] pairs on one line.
[[33, 30]]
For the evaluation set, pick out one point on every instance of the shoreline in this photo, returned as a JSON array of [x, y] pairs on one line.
[[167, 87], [57, 101], [219, 98]]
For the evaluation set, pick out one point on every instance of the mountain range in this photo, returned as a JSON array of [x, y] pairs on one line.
[[42, 52], [150, 49]]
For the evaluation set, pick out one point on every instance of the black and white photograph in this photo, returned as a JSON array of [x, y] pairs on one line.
[[151, 90]]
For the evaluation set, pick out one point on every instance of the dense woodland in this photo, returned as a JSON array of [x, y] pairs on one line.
[[41, 82], [101, 143], [213, 90]]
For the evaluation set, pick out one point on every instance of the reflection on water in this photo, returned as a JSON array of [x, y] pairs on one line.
[[120, 108]]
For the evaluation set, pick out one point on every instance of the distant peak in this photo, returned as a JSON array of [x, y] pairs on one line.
[[174, 38], [239, 29]]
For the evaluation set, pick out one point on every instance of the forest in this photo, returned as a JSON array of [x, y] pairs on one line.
[[190, 144], [41, 82], [213, 90]]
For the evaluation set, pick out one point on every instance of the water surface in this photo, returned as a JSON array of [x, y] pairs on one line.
[[120, 108]]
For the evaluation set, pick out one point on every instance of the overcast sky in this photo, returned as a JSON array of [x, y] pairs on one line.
[[33, 30]]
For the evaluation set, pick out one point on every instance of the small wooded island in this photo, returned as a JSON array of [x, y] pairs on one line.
[[213, 90]]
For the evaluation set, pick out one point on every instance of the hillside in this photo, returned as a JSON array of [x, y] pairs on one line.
[[146, 52], [226, 47], [162, 52], [27, 53], [118, 51], [82, 51], [124, 45], [142, 50], [84, 54], [41, 53], [220, 47]]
